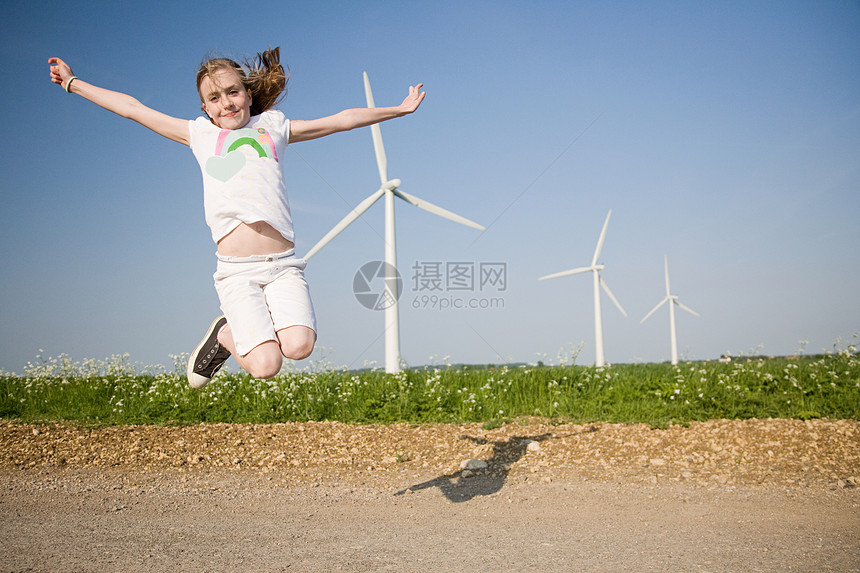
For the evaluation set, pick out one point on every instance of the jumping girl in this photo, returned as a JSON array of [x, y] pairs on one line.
[[260, 282]]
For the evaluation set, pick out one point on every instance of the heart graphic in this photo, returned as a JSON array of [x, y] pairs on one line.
[[223, 168]]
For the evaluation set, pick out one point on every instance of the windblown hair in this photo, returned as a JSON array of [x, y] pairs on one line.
[[263, 77]]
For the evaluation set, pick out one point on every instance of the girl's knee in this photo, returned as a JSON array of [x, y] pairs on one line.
[[265, 369], [263, 362], [298, 350], [297, 342]]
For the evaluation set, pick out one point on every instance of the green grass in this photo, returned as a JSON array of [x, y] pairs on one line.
[[116, 392]]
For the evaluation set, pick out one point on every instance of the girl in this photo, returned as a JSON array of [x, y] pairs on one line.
[[267, 308]]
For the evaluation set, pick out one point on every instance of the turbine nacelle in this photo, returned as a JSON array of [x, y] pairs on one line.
[[392, 184]]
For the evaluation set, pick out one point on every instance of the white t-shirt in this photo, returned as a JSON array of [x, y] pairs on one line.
[[242, 177]]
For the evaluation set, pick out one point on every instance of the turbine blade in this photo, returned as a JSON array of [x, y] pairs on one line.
[[436, 210], [653, 310], [378, 148], [687, 308], [666, 264], [600, 241], [612, 296], [575, 271], [344, 223]]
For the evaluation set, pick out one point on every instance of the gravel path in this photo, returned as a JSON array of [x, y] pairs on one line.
[[754, 495]]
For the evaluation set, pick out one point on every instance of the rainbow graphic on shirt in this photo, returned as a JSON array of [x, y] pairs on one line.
[[227, 162]]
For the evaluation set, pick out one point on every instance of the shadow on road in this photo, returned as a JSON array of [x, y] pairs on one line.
[[486, 482]]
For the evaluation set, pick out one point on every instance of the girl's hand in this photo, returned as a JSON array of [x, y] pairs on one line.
[[60, 71], [413, 100]]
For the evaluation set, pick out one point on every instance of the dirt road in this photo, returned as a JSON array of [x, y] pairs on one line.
[[760, 495]]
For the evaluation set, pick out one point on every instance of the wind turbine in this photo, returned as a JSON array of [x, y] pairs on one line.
[[390, 189], [672, 300], [598, 282]]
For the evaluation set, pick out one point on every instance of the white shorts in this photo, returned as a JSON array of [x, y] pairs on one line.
[[261, 295]]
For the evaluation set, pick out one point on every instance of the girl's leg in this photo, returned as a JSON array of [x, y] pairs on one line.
[[297, 342], [262, 362]]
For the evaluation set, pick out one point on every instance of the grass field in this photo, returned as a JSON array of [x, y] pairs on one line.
[[116, 392]]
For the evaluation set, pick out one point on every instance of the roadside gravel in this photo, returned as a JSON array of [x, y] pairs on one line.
[[722, 495]]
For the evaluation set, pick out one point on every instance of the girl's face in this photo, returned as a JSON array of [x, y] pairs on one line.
[[225, 99]]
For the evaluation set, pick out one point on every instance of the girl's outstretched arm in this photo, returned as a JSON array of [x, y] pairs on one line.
[[303, 130], [120, 103]]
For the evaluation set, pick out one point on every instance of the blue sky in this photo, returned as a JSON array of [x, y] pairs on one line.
[[725, 136]]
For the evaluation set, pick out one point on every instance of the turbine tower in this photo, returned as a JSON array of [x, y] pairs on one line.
[[390, 189], [672, 300], [598, 283]]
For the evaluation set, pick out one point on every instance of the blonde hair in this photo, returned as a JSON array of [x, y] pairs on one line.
[[264, 79]]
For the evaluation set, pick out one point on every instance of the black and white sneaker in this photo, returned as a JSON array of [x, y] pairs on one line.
[[208, 357]]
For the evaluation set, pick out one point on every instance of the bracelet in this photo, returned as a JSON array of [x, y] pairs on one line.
[[69, 83]]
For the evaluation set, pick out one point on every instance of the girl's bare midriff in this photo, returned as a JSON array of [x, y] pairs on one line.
[[253, 239]]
